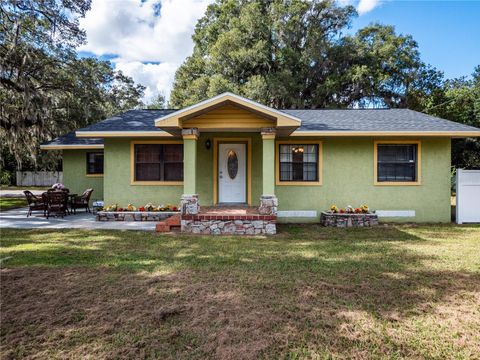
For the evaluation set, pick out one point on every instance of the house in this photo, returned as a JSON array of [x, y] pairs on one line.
[[231, 150]]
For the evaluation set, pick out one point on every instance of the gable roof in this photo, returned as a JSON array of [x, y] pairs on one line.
[[377, 121], [175, 120], [313, 122], [136, 121], [70, 141], [306, 122]]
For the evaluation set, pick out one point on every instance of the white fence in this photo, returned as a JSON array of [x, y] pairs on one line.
[[468, 196], [39, 178]]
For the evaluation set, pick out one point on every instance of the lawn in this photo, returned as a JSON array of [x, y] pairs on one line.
[[308, 293], [12, 203]]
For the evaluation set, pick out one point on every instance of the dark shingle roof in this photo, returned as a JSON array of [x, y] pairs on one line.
[[131, 120], [373, 120], [71, 139], [369, 120]]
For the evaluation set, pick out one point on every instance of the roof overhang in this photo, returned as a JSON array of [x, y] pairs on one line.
[[105, 134], [70, 146], [346, 133], [174, 122]]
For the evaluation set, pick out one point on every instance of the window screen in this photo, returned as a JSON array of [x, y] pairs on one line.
[[397, 162], [158, 162], [299, 162], [94, 163]]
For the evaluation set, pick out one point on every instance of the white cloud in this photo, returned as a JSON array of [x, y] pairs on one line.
[[365, 6], [135, 33], [157, 78]]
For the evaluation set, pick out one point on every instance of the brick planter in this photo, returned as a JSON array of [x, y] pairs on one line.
[[134, 215], [348, 220], [229, 224]]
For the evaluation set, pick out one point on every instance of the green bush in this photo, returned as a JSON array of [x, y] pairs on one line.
[[5, 177]]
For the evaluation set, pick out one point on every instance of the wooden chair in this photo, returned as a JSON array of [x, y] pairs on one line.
[[35, 202], [82, 201], [66, 191], [56, 203]]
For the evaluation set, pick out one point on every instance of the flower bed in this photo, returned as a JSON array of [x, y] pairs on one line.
[[349, 217], [134, 215], [348, 220], [149, 212]]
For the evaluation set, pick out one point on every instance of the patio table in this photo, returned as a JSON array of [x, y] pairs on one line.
[[68, 199]]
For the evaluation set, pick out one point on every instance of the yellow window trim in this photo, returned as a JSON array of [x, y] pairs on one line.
[[397, 183], [299, 183], [97, 174], [132, 163], [230, 140]]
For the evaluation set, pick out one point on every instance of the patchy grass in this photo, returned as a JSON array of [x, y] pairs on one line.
[[310, 292], [12, 203]]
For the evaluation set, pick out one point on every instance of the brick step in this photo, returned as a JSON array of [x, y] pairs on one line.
[[174, 220], [162, 227]]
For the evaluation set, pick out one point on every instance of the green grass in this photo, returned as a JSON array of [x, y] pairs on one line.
[[310, 292], [12, 203]]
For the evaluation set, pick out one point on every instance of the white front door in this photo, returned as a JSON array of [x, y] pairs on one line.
[[232, 173]]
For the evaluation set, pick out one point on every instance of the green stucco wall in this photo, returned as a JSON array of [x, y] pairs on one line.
[[74, 174], [119, 190], [347, 179], [348, 174]]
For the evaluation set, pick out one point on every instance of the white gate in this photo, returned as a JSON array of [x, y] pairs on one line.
[[468, 196]]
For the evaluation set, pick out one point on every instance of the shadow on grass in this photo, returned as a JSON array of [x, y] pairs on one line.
[[129, 294]]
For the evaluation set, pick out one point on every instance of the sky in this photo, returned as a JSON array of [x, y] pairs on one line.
[[149, 39]]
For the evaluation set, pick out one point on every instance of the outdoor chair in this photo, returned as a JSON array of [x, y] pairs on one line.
[[35, 202], [82, 201], [56, 203]]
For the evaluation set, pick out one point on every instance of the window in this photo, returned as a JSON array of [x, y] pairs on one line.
[[158, 162], [299, 162], [397, 163], [95, 163]]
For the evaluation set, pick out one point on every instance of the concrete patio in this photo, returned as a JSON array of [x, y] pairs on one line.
[[17, 219]]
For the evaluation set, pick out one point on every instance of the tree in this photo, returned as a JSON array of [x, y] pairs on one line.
[[45, 89], [158, 102], [275, 52], [459, 101], [387, 70], [294, 55]]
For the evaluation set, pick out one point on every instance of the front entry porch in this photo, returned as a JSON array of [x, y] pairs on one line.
[[237, 128], [242, 198], [229, 220]]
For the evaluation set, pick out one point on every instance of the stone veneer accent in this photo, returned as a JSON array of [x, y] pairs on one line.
[[133, 215], [189, 204], [268, 205], [348, 220], [229, 224]]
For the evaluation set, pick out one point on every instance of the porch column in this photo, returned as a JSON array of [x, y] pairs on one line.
[[189, 201], [268, 201]]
